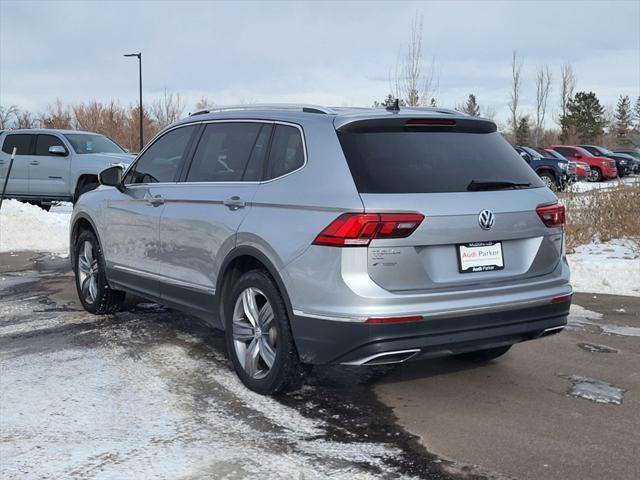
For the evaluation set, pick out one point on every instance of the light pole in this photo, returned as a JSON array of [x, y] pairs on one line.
[[139, 55]]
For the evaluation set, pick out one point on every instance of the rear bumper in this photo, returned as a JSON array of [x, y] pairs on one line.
[[322, 341]]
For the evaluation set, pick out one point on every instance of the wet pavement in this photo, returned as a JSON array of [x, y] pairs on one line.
[[149, 393]]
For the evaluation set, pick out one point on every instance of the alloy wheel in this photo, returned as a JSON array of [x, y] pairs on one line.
[[254, 333], [88, 272]]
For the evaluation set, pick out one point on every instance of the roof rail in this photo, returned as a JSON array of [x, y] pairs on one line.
[[268, 106]]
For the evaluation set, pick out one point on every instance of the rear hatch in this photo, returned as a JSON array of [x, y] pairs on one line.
[[478, 197]]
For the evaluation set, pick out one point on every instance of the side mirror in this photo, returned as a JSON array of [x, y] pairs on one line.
[[577, 155], [111, 177], [58, 150], [526, 156]]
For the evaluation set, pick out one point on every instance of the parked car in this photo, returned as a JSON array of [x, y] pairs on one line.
[[556, 174], [635, 158], [582, 168], [602, 168], [56, 165], [330, 236], [624, 164]]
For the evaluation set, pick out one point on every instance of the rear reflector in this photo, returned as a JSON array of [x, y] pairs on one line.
[[552, 216], [358, 229], [415, 318], [562, 299], [416, 122]]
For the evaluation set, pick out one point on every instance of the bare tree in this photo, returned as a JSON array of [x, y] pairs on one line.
[[25, 119], [543, 87], [412, 82], [6, 113], [516, 83], [204, 103], [567, 86], [167, 109], [57, 116]]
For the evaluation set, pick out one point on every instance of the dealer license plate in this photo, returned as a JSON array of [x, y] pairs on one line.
[[480, 257]]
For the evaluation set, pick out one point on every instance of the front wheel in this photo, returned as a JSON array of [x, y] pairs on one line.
[[549, 180], [91, 282], [258, 335], [595, 175], [484, 355]]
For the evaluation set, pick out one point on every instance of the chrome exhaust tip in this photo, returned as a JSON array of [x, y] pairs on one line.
[[551, 331], [385, 358]]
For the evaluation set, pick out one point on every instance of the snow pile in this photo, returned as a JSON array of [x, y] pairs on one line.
[[612, 267], [28, 227], [580, 187]]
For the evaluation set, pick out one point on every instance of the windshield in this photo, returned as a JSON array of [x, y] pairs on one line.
[[424, 162], [585, 152], [88, 143], [532, 152]]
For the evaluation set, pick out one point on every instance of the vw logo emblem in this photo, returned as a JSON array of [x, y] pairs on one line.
[[486, 219]]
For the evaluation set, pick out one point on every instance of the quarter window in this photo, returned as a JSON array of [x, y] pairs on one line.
[[161, 161], [230, 152], [43, 142], [287, 151], [22, 143]]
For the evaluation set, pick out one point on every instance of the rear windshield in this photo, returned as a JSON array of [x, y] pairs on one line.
[[431, 162]]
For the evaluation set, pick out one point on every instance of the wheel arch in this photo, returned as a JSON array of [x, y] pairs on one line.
[[80, 222], [238, 261]]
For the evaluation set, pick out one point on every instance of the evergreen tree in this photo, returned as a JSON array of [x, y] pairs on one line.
[[432, 103], [636, 113], [523, 132], [471, 107], [623, 120], [585, 116]]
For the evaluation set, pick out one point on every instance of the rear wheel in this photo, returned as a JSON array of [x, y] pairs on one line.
[[484, 355], [258, 335], [91, 282]]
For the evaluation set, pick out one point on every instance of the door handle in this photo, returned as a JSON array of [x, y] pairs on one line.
[[234, 203], [154, 201], [35, 162]]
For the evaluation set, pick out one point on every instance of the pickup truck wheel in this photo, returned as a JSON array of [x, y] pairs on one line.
[[91, 282], [595, 175], [549, 180], [258, 335], [484, 355]]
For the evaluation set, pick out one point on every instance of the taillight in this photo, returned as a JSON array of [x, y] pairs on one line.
[[416, 122], [358, 229], [552, 215]]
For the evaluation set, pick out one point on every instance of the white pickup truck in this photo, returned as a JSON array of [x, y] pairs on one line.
[[56, 165]]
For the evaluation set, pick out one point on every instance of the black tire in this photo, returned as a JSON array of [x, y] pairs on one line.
[[85, 187], [549, 180], [286, 370], [483, 355], [106, 300], [595, 175]]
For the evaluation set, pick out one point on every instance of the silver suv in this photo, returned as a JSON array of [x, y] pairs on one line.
[[315, 236], [55, 165]]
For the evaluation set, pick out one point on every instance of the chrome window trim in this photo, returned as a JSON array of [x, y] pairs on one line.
[[230, 120]]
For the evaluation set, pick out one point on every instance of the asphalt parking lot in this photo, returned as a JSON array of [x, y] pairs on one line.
[[148, 393]]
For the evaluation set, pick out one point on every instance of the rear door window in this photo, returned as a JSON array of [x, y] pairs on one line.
[[21, 141], [43, 143], [567, 152], [161, 161], [230, 152], [415, 161], [287, 152]]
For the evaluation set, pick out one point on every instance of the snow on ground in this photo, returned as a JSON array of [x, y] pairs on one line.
[[28, 227], [612, 267], [584, 186]]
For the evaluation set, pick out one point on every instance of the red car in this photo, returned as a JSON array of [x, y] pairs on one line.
[[582, 168], [601, 167]]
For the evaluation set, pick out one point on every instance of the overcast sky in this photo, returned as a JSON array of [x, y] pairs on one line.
[[332, 53]]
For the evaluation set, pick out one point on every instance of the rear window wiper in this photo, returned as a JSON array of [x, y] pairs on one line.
[[478, 185]]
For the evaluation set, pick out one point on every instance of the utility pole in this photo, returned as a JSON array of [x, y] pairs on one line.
[[139, 56]]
